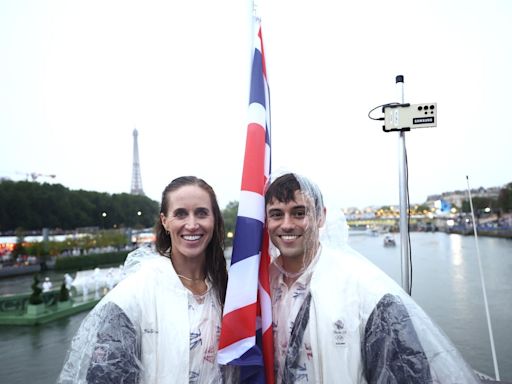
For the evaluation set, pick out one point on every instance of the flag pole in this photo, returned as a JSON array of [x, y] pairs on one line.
[[482, 282], [252, 16]]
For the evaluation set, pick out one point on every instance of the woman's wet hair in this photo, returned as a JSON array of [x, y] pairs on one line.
[[215, 260]]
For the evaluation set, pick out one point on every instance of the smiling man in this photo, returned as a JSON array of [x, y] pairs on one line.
[[336, 317]]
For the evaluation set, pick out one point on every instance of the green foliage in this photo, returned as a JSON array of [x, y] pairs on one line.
[[229, 215], [33, 206], [505, 198], [19, 248], [423, 207], [64, 292], [479, 204], [74, 263], [36, 297]]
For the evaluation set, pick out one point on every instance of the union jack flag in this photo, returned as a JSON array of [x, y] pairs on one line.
[[246, 336]]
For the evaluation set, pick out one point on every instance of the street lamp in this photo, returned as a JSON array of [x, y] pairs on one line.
[[137, 220], [104, 215]]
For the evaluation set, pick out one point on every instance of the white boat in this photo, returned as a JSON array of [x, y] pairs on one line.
[[364, 230], [389, 241]]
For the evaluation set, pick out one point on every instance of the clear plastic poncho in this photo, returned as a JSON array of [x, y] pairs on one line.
[[363, 328], [148, 329]]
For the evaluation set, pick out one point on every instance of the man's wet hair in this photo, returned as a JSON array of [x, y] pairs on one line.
[[283, 190]]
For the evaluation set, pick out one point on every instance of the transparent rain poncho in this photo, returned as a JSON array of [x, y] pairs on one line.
[[148, 329], [362, 327]]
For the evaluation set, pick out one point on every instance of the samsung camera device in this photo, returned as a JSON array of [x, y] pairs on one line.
[[400, 117]]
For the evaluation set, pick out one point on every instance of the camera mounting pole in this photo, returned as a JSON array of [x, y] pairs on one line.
[[401, 117], [404, 204]]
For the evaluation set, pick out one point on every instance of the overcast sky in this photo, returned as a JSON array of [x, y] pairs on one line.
[[76, 77]]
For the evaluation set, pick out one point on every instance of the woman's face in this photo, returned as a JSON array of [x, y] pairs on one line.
[[189, 221]]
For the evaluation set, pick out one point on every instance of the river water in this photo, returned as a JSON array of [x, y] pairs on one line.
[[445, 282]]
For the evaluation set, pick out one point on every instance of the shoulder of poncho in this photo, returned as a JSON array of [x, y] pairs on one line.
[[347, 266], [139, 256], [158, 267], [153, 275]]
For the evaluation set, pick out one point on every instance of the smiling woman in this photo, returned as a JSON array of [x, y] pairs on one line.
[[191, 227], [162, 322]]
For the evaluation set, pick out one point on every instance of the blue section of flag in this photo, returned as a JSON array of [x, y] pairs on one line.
[[257, 93], [247, 241], [251, 364]]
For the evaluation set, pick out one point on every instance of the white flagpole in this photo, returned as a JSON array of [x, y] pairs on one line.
[[252, 13]]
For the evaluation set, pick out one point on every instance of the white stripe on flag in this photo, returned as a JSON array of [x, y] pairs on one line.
[[235, 350], [266, 316], [267, 163], [243, 278], [257, 114], [251, 205]]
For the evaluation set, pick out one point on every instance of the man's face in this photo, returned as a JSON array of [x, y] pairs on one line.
[[292, 227]]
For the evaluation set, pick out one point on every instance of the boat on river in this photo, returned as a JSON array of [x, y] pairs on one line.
[[389, 241], [362, 230]]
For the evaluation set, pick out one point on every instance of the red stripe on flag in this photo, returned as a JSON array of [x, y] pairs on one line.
[[254, 169], [268, 355], [267, 334], [240, 323]]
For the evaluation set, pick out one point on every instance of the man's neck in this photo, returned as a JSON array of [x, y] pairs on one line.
[[296, 266], [293, 265]]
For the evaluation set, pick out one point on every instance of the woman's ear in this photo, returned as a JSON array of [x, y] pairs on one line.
[[163, 220], [321, 219]]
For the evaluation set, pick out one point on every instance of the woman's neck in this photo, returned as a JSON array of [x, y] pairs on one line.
[[192, 274], [190, 269]]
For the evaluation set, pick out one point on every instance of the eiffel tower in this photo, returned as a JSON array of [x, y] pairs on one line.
[[136, 178]]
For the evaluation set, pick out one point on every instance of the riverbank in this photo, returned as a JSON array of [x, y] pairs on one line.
[[488, 232], [67, 263]]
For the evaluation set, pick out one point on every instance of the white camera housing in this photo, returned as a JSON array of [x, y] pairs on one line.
[[410, 116]]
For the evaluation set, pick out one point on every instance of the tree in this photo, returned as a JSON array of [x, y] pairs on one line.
[[19, 248], [229, 214], [505, 198], [479, 204], [33, 206]]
